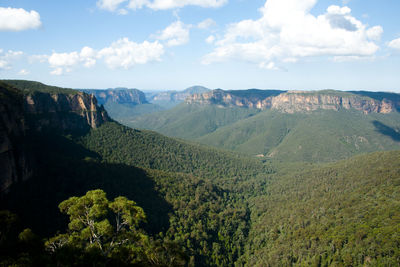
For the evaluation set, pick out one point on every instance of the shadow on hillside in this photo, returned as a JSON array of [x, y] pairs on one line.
[[386, 130], [65, 169]]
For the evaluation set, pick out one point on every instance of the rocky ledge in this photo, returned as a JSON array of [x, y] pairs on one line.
[[25, 111], [66, 112], [300, 101]]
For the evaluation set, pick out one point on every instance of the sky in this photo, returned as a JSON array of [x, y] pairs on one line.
[[228, 44]]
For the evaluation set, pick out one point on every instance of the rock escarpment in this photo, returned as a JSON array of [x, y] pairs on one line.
[[25, 111], [13, 159], [176, 96], [119, 95], [299, 101], [73, 112], [252, 98]]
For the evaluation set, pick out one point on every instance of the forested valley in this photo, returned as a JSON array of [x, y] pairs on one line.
[[103, 194]]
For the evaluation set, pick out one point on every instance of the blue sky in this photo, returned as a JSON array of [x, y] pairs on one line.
[[229, 44]]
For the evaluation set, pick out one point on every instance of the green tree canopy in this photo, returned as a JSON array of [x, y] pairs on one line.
[[100, 226]]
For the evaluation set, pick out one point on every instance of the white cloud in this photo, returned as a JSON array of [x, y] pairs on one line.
[[57, 71], [205, 24], [137, 4], [162, 4], [110, 5], [269, 66], [88, 56], [4, 65], [395, 44], [114, 5], [375, 33], [287, 31], [125, 54], [65, 62], [23, 72], [120, 54], [38, 58], [6, 58], [210, 39], [64, 59], [18, 19], [175, 34]]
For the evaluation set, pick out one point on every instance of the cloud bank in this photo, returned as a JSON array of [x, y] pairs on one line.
[[121, 54], [287, 32]]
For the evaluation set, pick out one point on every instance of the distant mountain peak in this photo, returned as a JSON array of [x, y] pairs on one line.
[[196, 89]]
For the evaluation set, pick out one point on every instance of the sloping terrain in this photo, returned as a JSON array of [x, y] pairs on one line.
[[342, 214], [290, 126], [317, 137], [191, 121]]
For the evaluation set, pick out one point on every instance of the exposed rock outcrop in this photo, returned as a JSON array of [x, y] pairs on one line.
[[119, 95], [65, 112], [296, 101], [252, 98], [24, 111], [14, 164], [176, 96]]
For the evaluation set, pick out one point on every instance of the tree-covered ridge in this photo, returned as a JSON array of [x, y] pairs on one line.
[[29, 87], [343, 214], [190, 121], [320, 136], [255, 93], [9, 93], [208, 222], [119, 144]]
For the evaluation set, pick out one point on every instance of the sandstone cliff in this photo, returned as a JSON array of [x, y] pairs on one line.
[[25, 111], [176, 96], [14, 165], [298, 101], [66, 112], [118, 95]]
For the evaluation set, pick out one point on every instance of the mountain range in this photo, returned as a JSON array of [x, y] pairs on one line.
[[123, 104]]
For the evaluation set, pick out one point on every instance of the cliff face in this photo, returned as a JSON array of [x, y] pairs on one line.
[[296, 101], [177, 96], [24, 111], [292, 102], [65, 112], [14, 164], [119, 95], [170, 96]]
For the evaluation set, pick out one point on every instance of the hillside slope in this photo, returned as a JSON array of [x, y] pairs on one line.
[[316, 126], [317, 137], [342, 214], [191, 121]]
